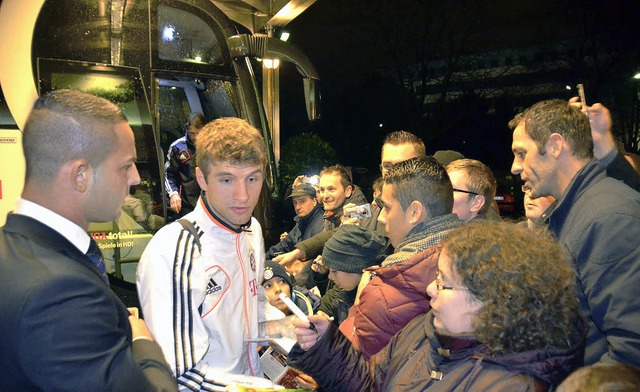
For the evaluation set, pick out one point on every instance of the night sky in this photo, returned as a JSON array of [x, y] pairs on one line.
[[360, 47]]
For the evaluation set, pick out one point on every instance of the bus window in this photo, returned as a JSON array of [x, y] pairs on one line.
[[179, 96], [183, 36], [11, 161], [6, 119]]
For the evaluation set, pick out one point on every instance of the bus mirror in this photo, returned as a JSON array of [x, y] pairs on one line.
[[312, 98], [262, 46]]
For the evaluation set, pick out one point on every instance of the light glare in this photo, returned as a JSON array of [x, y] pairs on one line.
[[168, 33]]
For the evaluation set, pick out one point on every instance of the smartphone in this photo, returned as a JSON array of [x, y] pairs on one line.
[[583, 100]]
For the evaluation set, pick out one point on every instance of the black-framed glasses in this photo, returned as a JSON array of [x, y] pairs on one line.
[[440, 286], [465, 191]]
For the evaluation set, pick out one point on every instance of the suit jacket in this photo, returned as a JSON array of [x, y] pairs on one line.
[[62, 326]]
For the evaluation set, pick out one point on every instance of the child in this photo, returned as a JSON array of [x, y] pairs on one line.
[[276, 281], [349, 251]]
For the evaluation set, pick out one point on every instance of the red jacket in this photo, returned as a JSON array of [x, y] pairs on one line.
[[394, 297]]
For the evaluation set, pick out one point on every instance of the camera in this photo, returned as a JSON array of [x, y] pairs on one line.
[[362, 211]]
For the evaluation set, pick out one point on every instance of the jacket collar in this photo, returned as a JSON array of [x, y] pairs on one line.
[[219, 220], [591, 172], [47, 237], [309, 216], [430, 227], [549, 364]]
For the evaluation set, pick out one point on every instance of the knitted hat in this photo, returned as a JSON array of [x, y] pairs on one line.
[[352, 248], [273, 269], [445, 157], [303, 190]]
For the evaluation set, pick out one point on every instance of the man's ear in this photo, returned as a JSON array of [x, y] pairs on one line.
[[416, 212], [477, 202], [348, 191], [202, 181], [555, 145], [80, 174]]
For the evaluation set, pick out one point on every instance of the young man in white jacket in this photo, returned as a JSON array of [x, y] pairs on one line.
[[199, 295]]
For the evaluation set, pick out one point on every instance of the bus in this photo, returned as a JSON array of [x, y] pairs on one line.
[[159, 60]]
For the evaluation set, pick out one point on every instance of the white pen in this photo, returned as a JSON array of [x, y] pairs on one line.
[[296, 310]]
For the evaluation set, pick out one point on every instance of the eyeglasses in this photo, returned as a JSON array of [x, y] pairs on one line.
[[440, 286], [464, 191]]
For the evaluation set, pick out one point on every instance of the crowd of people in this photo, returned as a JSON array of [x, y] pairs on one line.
[[422, 286]]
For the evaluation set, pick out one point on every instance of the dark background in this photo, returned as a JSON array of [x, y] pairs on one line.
[[375, 62]]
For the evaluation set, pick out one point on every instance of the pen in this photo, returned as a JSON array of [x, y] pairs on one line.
[[296, 310]]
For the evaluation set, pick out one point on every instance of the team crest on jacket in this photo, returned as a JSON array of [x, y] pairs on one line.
[[252, 259], [183, 155]]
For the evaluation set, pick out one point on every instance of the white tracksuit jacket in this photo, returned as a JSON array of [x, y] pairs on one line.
[[202, 308]]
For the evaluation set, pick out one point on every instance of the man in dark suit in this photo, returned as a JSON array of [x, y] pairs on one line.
[[62, 326]]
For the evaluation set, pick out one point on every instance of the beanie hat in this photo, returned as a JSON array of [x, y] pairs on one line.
[[352, 248], [273, 269], [445, 157], [303, 190]]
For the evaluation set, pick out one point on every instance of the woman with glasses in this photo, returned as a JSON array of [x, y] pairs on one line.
[[504, 318]]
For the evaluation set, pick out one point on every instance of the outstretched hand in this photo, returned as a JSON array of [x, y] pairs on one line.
[[286, 259]]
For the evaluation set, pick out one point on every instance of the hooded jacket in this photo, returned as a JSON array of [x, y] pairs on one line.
[[420, 359]]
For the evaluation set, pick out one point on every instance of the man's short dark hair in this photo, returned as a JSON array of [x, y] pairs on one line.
[[403, 137], [196, 120], [66, 125], [377, 184], [422, 179], [345, 178], [557, 116]]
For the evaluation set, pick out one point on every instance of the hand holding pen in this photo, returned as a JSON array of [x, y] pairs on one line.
[[308, 328], [296, 310]]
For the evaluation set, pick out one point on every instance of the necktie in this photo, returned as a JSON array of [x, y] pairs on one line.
[[95, 256]]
